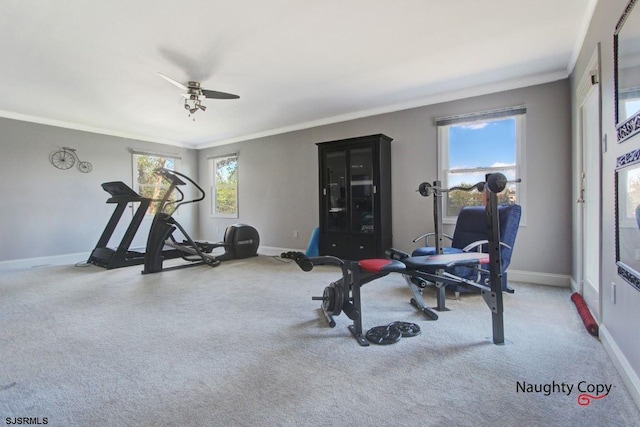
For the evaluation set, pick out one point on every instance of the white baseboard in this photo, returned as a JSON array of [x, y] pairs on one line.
[[573, 285], [514, 275], [559, 280], [44, 261], [629, 376], [548, 279], [69, 259]]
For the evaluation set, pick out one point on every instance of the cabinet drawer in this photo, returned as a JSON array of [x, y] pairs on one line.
[[362, 247], [337, 246]]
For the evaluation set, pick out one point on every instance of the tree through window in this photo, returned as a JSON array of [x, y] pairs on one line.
[[224, 186], [146, 182]]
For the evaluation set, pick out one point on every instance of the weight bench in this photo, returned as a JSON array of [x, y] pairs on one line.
[[344, 294]]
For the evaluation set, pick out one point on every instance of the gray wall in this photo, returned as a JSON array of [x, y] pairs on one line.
[[278, 176], [47, 211], [619, 319], [52, 212]]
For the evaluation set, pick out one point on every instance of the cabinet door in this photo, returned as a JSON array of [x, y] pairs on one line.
[[335, 191], [362, 190]]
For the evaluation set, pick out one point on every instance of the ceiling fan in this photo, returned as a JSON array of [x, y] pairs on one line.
[[195, 94]]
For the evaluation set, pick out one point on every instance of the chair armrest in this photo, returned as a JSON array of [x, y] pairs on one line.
[[479, 243], [426, 238]]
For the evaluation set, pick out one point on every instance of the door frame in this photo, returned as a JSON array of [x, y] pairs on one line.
[[588, 83]]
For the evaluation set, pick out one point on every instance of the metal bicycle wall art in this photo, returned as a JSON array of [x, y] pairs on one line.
[[65, 159]]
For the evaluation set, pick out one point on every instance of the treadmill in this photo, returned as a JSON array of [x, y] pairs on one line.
[[109, 258]]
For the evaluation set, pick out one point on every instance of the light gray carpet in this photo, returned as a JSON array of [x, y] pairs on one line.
[[243, 345]]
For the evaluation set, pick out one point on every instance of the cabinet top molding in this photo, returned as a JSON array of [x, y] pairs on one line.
[[358, 138]]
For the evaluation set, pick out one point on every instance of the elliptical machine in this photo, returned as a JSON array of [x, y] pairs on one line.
[[241, 241]]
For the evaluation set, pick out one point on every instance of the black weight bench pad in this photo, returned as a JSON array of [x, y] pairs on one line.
[[421, 263]]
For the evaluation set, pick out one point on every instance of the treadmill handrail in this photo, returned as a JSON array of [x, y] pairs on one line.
[[174, 179]]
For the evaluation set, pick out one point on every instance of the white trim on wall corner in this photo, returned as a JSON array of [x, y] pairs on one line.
[[84, 128], [445, 96], [624, 368], [436, 98], [560, 280], [582, 35], [573, 285]]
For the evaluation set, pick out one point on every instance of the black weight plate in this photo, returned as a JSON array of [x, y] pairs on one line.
[[332, 299], [406, 328], [328, 299], [496, 182], [425, 189], [384, 335]]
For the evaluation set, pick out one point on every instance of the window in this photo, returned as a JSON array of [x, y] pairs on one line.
[[472, 146], [224, 186], [629, 103], [629, 188], [146, 182]]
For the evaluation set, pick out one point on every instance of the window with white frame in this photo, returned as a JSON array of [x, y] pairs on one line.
[[223, 172], [629, 186], [628, 103], [146, 182], [473, 145]]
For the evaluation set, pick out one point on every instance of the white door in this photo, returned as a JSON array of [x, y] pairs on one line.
[[591, 200]]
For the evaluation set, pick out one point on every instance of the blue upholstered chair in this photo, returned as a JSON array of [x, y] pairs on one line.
[[471, 235], [313, 248]]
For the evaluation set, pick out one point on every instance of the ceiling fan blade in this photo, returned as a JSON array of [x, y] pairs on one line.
[[173, 82], [218, 95]]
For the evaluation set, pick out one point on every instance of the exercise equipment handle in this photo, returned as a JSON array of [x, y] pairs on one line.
[[174, 179], [425, 189], [301, 259], [496, 183], [477, 186]]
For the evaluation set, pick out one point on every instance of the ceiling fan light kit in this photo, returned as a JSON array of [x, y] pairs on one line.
[[195, 94]]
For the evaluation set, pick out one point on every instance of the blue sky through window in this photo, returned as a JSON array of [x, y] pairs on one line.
[[480, 145]]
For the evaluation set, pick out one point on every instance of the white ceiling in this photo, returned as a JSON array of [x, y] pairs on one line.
[[92, 65]]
